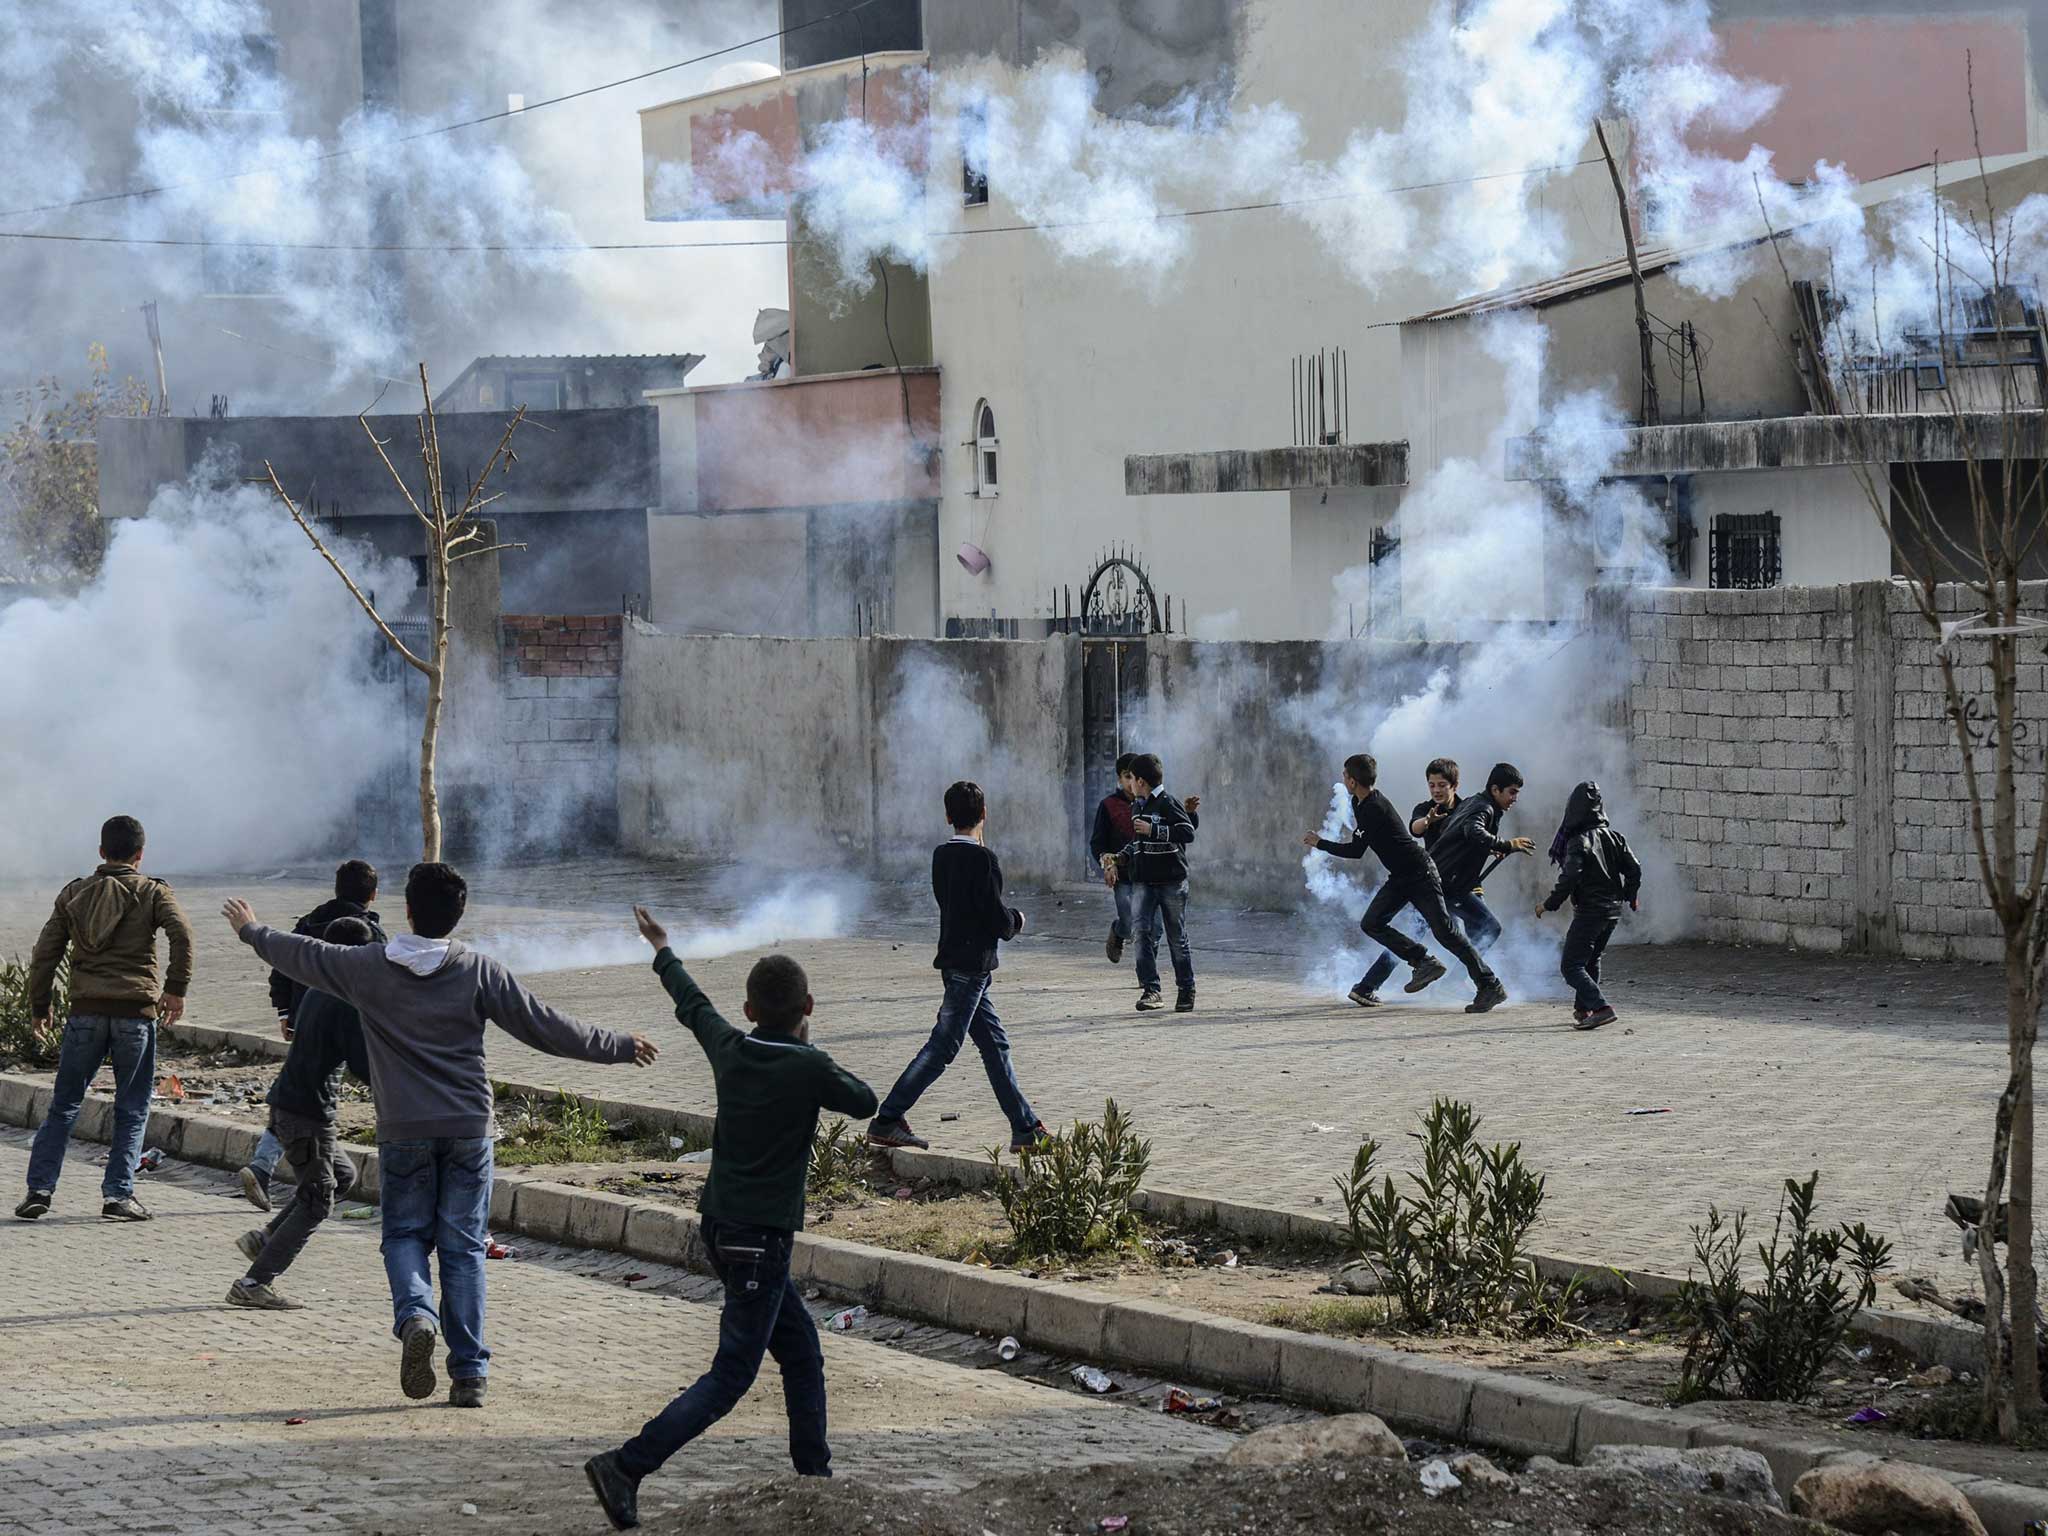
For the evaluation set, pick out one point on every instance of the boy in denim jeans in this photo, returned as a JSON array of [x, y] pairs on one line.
[[423, 999], [770, 1085], [108, 921], [967, 883]]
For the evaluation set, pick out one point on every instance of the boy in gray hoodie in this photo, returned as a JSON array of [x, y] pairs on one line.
[[424, 999]]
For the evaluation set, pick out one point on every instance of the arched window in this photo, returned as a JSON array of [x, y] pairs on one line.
[[986, 451]]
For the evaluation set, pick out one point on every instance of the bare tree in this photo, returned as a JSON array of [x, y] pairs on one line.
[[451, 537], [1965, 572]]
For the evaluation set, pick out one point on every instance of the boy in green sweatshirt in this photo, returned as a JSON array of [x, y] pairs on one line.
[[771, 1084]]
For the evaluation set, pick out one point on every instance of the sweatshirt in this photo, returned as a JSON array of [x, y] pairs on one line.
[[326, 1037], [1112, 830], [967, 883], [425, 1034], [284, 992], [1162, 858], [1377, 826], [770, 1089], [109, 921]]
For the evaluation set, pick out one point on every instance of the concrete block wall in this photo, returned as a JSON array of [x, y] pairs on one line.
[[559, 724]]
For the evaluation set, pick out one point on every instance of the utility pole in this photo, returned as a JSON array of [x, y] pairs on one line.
[[156, 341], [1652, 413]]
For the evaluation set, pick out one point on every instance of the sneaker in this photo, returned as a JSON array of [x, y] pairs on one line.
[[251, 1243], [416, 1366], [894, 1133], [618, 1495], [466, 1392], [126, 1209], [256, 1185], [1491, 996], [1024, 1141], [1597, 1018], [1184, 1001], [1114, 948], [1363, 998], [1427, 970], [1149, 1000], [249, 1293], [37, 1204]]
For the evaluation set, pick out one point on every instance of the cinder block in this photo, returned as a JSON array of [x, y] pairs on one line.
[[2005, 1508], [1528, 1417], [206, 1141], [981, 1301], [1427, 1394], [504, 1192], [1065, 1319], [845, 1269], [166, 1129], [654, 1233], [95, 1120], [597, 1219], [940, 1167], [1614, 1421], [39, 1098], [916, 1286], [541, 1210], [1151, 1334], [1245, 1356], [17, 1096], [1334, 1373]]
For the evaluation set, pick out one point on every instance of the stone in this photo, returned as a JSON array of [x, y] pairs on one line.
[[1475, 1471], [1864, 1495], [1723, 1470], [1349, 1434], [1357, 1278]]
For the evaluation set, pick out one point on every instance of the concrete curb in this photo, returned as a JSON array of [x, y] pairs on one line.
[[1518, 1414]]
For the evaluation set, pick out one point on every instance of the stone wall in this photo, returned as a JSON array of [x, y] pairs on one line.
[[559, 726]]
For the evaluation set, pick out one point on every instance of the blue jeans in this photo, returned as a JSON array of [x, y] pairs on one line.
[[437, 1198], [763, 1314], [268, 1150], [89, 1039], [1154, 907], [964, 1013], [1124, 891]]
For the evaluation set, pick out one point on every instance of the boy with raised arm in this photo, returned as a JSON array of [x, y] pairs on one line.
[[771, 1084]]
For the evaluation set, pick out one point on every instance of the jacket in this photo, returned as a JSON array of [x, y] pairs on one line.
[[1377, 826], [284, 992], [326, 1037], [967, 883], [1161, 860], [1435, 829], [109, 921], [1112, 831], [770, 1089], [425, 1034], [1598, 868], [1465, 841]]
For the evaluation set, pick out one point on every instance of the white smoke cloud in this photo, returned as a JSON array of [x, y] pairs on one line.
[[794, 912]]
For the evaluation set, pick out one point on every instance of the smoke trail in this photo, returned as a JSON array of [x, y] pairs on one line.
[[791, 913]]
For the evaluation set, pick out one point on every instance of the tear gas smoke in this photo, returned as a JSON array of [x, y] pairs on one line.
[[789, 914]]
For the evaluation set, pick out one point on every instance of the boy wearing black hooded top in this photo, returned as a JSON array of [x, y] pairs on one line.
[[1600, 875], [1158, 869], [1412, 880]]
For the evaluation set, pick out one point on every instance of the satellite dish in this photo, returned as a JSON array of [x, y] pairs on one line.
[[972, 557]]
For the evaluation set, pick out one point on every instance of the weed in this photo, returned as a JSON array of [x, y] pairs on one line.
[[1070, 1196], [839, 1163], [1773, 1341], [18, 1037], [1345, 1318]]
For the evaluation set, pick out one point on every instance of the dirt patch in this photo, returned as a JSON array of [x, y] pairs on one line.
[[1209, 1499]]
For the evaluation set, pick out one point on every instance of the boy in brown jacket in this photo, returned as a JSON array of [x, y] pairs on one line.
[[108, 921]]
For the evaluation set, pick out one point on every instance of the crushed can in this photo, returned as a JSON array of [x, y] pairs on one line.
[[848, 1320], [150, 1160]]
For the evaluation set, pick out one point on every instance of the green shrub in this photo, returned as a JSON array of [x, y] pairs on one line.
[[1774, 1341], [1453, 1252], [838, 1163], [18, 1036], [1070, 1196]]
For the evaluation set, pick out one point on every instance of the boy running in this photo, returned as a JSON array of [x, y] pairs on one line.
[[424, 999], [1599, 874], [770, 1085], [1427, 822], [1468, 840]]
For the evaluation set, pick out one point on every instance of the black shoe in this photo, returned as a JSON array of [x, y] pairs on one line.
[[1597, 1018], [256, 1186], [1115, 947], [1184, 1001], [128, 1209], [1362, 997], [466, 1392], [37, 1204], [416, 1365], [1491, 996], [894, 1133], [1427, 970], [1149, 1000], [617, 1494]]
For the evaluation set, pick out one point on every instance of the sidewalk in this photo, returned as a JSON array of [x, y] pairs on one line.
[[133, 1399]]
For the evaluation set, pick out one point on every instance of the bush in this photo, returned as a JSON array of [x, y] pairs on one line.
[[1070, 1196], [1452, 1253], [17, 1026], [1774, 1341], [838, 1163]]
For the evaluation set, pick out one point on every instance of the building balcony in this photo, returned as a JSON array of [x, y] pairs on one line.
[[1346, 466], [1799, 442]]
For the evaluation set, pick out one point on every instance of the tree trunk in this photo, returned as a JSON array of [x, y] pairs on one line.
[[2019, 1250], [1999, 1412], [430, 727]]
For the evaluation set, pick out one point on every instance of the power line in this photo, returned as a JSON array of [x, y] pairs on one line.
[[347, 151], [687, 245]]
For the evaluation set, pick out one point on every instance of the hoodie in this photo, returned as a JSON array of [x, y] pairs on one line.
[[1597, 867], [284, 992], [108, 921]]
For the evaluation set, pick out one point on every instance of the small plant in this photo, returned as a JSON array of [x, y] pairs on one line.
[[1453, 1252], [838, 1163], [1070, 1196], [18, 1037], [1773, 1341]]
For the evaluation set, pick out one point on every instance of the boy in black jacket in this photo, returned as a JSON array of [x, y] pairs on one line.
[[326, 1037], [1600, 875], [1427, 821], [1411, 881], [770, 1084], [967, 883], [1158, 871]]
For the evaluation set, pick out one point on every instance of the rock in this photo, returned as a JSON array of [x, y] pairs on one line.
[[1356, 1279], [1865, 1495], [1477, 1472], [1722, 1470], [1350, 1434], [1933, 1376]]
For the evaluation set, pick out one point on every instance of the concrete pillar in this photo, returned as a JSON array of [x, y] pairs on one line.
[[1874, 660]]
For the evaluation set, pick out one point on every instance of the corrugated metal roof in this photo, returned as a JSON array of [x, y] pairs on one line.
[[1550, 290]]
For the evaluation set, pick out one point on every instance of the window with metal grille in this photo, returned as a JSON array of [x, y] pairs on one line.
[[1743, 550]]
